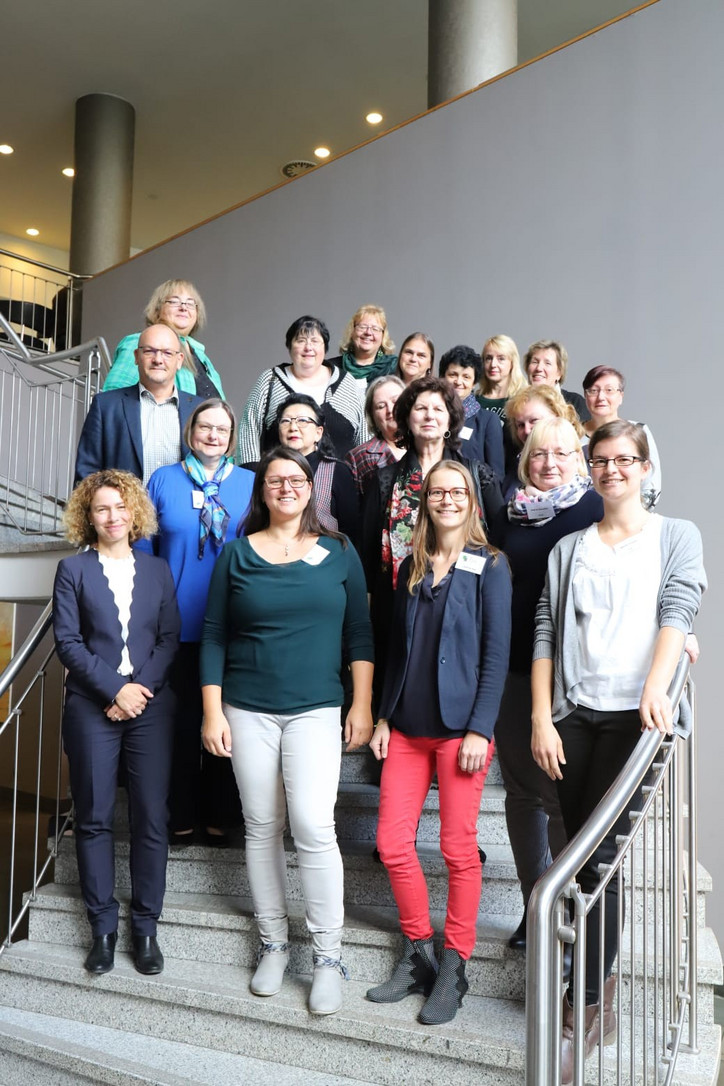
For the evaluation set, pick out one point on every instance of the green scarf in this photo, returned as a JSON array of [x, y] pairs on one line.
[[382, 365]]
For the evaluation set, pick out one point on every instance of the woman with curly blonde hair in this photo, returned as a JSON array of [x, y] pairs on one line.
[[116, 626]]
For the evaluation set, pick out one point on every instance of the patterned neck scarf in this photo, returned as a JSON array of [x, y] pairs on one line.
[[400, 518], [534, 507], [471, 406], [213, 517]]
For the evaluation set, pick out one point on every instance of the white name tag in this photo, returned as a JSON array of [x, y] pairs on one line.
[[315, 556], [540, 510], [473, 563], [197, 499], [466, 433]]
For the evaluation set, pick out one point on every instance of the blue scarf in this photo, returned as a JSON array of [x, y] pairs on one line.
[[213, 517]]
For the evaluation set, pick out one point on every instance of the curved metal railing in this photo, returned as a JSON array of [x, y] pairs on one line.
[[660, 948]]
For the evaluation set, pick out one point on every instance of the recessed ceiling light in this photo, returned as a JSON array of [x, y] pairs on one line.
[[322, 152], [32, 231], [373, 118], [68, 172], [6, 149]]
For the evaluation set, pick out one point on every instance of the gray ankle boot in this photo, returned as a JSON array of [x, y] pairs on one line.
[[416, 972], [447, 995]]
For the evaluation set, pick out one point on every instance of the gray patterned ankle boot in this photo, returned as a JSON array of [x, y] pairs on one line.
[[447, 995], [416, 972]]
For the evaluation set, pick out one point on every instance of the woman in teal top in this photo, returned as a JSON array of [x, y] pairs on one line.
[[282, 601], [178, 304]]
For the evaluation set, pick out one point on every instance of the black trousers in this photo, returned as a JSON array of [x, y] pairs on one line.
[[94, 745], [596, 745], [203, 787]]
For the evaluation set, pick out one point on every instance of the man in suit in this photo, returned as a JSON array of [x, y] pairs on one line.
[[139, 429]]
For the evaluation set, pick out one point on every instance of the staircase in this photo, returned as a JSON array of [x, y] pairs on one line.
[[198, 1023]]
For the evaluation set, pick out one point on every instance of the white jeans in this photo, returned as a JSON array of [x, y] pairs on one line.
[[298, 754]]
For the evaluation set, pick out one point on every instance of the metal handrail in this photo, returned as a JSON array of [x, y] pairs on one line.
[[26, 650], [41, 864], [45, 267], [43, 401], [546, 927]]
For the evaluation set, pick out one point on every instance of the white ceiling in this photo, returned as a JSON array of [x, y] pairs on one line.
[[225, 92]]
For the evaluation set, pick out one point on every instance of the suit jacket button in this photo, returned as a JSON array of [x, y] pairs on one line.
[[442, 659]]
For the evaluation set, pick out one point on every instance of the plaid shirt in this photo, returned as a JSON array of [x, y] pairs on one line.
[[365, 459]]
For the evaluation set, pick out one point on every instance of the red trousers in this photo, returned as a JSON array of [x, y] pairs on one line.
[[406, 777]]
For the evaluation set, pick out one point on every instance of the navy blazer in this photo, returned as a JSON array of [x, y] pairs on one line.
[[474, 645], [485, 441], [88, 631], [111, 435]]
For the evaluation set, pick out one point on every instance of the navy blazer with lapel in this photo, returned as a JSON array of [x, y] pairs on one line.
[[111, 435], [485, 441], [474, 646], [88, 631]]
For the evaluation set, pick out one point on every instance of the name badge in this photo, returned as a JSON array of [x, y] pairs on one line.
[[315, 556], [466, 433], [540, 510], [197, 499], [473, 563]]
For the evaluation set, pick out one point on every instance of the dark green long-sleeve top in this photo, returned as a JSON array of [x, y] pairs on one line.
[[272, 636]]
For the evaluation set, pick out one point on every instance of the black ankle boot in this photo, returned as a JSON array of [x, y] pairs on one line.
[[416, 972], [518, 938], [447, 995]]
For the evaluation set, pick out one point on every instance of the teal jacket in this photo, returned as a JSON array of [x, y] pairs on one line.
[[124, 371]]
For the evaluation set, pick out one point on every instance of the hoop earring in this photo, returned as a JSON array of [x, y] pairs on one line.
[[446, 435]]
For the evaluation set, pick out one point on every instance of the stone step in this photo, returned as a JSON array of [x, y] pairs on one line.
[[211, 1004], [215, 928], [361, 766], [201, 870], [39, 1050], [358, 805]]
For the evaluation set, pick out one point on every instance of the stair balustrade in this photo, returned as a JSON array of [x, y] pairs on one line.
[[33, 724], [44, 309], [43, 402], [657, 875]]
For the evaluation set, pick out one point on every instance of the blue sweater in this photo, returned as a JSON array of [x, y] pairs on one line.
[[171, 490]]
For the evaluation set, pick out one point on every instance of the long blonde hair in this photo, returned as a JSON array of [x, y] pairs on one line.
[[517, 379], [424, 539]]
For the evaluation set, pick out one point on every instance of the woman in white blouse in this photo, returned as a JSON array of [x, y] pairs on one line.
[[619, 600], [117, 626]]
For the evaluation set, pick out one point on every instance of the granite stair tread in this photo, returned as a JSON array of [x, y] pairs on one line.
[[55, 974], [102, 1054], [374, 1042]]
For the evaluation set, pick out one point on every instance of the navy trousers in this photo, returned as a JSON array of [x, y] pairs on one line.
[[94, 745]]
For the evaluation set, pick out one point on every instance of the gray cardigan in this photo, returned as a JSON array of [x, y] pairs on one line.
[[556, 631]]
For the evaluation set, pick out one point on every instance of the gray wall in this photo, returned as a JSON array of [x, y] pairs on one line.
[[577, 198]]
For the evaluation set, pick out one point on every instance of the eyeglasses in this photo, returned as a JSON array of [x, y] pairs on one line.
[[459, 494], [151, 352], [300, 420], [373, 328], [597, 391], [541, 456], [178, 303], [209, 428], [599, 463], [296, 482]]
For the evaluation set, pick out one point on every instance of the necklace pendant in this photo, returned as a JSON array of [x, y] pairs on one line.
[[286, 550]]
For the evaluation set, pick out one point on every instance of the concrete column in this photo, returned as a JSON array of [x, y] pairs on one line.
[[469, 41], [100, 225]]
